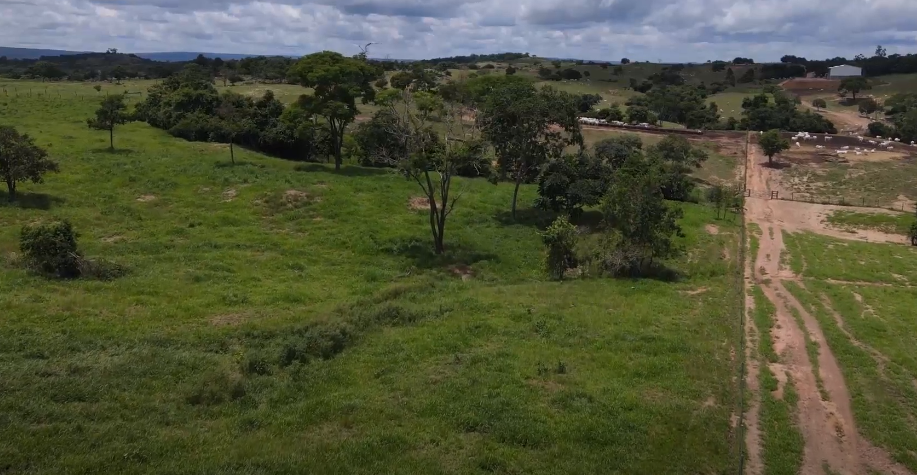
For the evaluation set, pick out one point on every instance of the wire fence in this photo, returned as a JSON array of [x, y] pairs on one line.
[[859, 202], [740, 304]]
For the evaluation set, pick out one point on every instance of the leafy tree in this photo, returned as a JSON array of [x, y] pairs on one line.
[[730, 77], [819, 104], [401, 80], [527, 127], [772, 143], [880, 52], [586, 74], [635, 210], [21, 160], [638, 115], [614, 151], [97, 87], [741, 60], [718, 66], [748, 76], [557, 64], [912, 233], [431, 157], [560, 241], [118, 73], [675, 158], [625, 61], [510, 70], [569, 183], [868, 106], [618, 70], [234, 79], [337, 81], [571, 74], [854, 85], [880, 129], [112, 112]]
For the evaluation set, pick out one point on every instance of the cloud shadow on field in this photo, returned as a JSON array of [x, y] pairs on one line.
[[30, 201]]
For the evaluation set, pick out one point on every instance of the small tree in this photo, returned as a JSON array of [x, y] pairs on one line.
[[560, 241], [868, 106], [232, 122], [625, 61], [819, 104], [716, 196], [854, 85], [21, 160], [112, 112], [912, 233], [635, 210], [51, 249], [431, 157], [772, 143], [730, 77], [97, 87]]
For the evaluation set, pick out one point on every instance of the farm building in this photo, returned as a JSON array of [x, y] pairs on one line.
[[844, 71]]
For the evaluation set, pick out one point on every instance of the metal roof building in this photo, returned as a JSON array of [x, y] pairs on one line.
[[844, 71]]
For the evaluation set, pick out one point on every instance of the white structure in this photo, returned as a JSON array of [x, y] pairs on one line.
[[844, 71]]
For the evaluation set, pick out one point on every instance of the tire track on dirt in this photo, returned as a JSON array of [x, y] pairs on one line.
[[828, 427]]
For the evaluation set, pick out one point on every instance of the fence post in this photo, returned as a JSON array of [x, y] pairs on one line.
[[774, 195]]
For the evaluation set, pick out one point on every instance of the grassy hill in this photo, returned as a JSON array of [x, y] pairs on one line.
[[279, 317]]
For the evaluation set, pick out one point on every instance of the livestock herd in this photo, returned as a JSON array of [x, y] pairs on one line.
[[886, 144]]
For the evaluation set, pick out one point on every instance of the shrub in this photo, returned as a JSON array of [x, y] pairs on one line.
[[560, 240], [878, 129], [51, 249], [215, 388], [319, 340]]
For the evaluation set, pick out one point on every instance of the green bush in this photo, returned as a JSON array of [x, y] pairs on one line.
[[560, 240], [323, 340], [50, 248]]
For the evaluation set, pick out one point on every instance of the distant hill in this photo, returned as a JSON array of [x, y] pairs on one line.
[[32, 53], [177, 56], [180, 56]]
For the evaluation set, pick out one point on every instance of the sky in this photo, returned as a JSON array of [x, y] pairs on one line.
[[642, 30]]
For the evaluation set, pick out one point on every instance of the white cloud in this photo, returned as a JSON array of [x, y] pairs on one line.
[[671, 30]]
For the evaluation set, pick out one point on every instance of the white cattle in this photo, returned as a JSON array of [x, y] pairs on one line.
[[797, 144]]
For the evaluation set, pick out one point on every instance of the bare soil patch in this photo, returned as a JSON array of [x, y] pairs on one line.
[[712, 229], [418, 203], [463, 271], [230, 195], [146, 198]]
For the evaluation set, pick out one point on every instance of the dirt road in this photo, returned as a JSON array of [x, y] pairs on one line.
[[827, 425]]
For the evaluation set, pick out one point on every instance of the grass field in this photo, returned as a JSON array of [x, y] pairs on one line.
[[282, 318], [878, 184], [861, 295], [887, 223]]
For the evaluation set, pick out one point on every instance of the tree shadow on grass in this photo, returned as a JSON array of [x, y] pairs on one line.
[[421, 253], [30, 201], [239, 163], [775, 165], [118, 151], [541, 219], [346, 170]]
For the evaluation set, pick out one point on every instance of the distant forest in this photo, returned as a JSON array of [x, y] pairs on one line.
[[113, 65]]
